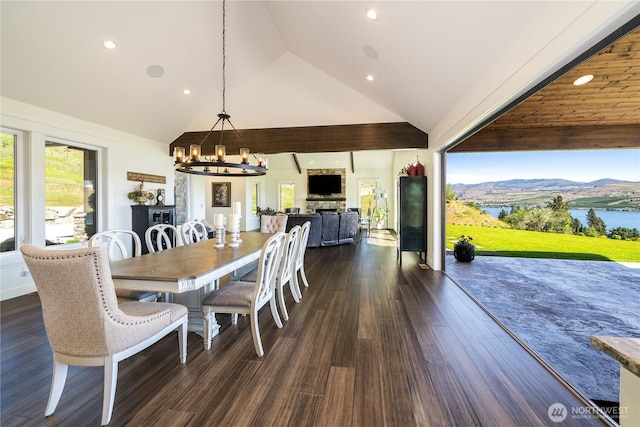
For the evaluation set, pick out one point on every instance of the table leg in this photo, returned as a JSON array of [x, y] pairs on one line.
[[629, 398]]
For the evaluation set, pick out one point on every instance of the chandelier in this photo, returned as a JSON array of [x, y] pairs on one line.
[[198, 164]]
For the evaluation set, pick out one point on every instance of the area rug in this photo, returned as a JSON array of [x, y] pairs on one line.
[[554, 306]]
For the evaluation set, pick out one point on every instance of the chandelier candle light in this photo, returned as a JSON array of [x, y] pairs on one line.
[[216, 165]]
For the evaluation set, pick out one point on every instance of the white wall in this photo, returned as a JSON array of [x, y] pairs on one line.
[[120, 152]]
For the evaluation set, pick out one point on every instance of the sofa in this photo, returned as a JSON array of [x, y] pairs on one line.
[[327, 228]]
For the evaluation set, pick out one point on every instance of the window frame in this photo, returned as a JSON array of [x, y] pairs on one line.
[[281, 208], [19, 196]]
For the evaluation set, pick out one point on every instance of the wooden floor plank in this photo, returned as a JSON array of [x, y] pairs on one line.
[[371, 343]]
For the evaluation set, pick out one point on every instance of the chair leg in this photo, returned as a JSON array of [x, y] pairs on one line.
[[274, 311], [304, 276], [295, 287], [234, 318], [283, 307], [110, 380], [182, 342], [57, 385], [206, 324], [255, 332]]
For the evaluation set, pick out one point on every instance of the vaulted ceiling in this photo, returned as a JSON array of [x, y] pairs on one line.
[[439, 66]]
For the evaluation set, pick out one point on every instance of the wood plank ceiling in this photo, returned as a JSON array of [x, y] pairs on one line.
[[602, 114]]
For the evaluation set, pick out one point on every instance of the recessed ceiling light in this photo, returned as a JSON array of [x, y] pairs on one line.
[[372, 14], [370, 77], [186, 91], [109, 44], [583, 80]]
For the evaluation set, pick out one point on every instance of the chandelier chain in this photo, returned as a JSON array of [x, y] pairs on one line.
[[224, 54]]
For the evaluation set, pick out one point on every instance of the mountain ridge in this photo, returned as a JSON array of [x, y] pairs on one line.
[[604, 193]]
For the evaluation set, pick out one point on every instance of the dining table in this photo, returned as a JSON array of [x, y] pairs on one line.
[[187, 274]]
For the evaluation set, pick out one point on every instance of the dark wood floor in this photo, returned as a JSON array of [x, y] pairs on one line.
[[371, 344]]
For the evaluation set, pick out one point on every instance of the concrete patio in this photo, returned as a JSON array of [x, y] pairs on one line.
[[554, 306]]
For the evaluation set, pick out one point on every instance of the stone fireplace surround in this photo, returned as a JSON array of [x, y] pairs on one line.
[[332, 201]]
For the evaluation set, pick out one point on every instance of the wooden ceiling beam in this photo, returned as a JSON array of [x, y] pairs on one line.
[[311, 139], [552, 138]]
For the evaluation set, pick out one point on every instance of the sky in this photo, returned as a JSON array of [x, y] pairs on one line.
[[579, 166]]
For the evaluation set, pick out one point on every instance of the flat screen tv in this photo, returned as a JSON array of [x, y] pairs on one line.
[[325, 184]]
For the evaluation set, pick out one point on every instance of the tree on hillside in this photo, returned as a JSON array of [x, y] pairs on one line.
[[558, 204], [449, 193], [595, 223], [545, 220], [576, 226]]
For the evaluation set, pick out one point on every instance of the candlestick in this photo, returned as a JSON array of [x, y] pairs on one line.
[[219, 237], [235, 240]]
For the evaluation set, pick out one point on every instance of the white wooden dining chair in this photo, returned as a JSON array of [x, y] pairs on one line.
[[192, 232], [285, 272], [119, 245], [85, 324], [162, 236], [247, 297], [299, 262]]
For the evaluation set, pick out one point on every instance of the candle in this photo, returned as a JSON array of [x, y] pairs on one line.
[[237, 208], [218, 220], [234, 222]]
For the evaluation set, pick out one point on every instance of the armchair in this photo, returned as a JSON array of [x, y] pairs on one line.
[[97, 331]]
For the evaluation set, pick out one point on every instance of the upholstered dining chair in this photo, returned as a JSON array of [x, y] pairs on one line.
[[273, 223], [247, 297], [118, 245], [192, 232], [285, 272], [97, 331], [159, 237], [299, 262]]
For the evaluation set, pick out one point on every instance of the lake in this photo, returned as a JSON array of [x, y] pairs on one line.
[[612, 219]]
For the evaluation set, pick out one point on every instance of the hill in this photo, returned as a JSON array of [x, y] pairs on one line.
[[459, 213], [602, 194]]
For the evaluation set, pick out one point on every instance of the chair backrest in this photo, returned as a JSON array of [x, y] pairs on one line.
[[161, 236], [192, 232], [273, 223], [268, 266], [118, 244], [302, 245], [289, 252], [79, 303]]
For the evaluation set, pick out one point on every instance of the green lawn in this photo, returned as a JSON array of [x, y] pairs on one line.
[[532, 244]]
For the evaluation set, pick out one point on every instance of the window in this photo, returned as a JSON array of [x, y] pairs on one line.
[[367, 197], [70, 192], [8, 191], [286, 192], [254, 197]]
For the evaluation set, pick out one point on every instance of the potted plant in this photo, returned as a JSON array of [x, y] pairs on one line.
[[464, 250], [379, 216], [140, 196]]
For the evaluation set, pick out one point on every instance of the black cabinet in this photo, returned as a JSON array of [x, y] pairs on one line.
[[412, 202], [142, 217]]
